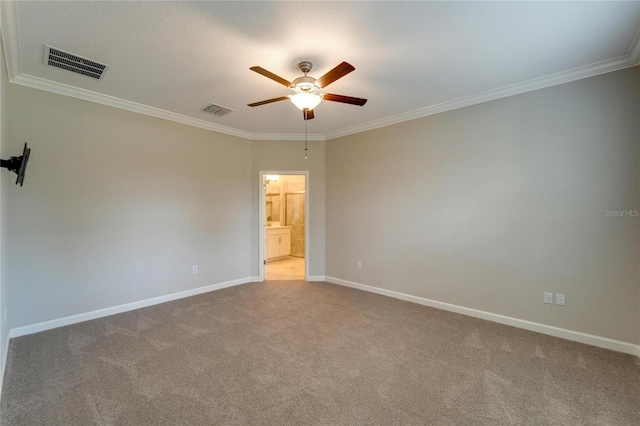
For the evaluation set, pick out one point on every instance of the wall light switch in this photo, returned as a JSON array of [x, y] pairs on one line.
[[194, 269], [560, 300]]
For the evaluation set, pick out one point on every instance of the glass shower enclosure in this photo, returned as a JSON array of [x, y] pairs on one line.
[[294, 216]]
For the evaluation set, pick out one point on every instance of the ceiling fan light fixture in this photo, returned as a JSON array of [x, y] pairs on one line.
[[308, 90], [306, 101]]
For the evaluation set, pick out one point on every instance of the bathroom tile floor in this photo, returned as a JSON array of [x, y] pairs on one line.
[[290, 268]]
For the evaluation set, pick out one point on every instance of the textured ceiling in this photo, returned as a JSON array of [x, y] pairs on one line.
[[172, 59]]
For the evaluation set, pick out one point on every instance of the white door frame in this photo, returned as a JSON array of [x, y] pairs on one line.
[[262, 224]]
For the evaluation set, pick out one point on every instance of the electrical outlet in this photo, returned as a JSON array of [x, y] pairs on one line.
[[358, 264], [548, 297], [194, 269], [560, 299]]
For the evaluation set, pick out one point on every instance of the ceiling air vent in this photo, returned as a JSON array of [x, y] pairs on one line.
[[216, 110], [68, 61]]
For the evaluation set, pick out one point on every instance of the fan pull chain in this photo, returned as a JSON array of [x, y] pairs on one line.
[[305, 140]]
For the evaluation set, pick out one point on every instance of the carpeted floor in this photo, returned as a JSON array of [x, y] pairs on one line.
[[296, 353]]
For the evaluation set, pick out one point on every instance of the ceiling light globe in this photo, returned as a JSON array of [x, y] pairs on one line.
[[306, 100]]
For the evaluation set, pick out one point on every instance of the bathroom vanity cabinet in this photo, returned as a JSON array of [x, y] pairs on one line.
[[278, 242]]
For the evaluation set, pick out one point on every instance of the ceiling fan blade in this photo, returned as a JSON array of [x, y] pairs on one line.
[[307, 114], [268, 101], [272, 76], [336, 73], [344, 99]]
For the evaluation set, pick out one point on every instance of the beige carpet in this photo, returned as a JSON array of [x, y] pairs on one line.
[[295, 353]]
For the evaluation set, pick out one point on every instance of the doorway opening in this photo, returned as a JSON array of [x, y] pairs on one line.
[[284, 232]]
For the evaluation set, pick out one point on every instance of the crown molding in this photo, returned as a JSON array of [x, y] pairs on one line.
[[503, 92], [10, 41], [286, 137], [622, 62], [88, 95], [634, 50]]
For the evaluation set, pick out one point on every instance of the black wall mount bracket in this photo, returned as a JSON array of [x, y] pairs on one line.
[[18, 165]]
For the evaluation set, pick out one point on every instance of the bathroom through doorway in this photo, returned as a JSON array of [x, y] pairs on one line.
[[284, 226]]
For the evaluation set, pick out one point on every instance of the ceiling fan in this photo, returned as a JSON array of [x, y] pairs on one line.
[[308, 90]]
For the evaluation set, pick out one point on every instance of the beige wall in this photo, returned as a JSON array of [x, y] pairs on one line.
[[484, 207], [117, 207], [285, 156], [489, 206], [5, 178]]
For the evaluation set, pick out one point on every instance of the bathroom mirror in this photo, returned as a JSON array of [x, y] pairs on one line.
[[273, 207]]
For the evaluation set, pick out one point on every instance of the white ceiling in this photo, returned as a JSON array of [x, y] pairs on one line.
[[412, 59]]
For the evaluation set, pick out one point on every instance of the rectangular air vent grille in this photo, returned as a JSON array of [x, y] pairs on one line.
[[216, 110], [68, 61]]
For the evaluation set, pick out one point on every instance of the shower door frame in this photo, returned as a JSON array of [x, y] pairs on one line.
[[262, 224]]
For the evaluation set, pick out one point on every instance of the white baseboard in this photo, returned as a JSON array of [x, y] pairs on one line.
[[73, 319], [313, 278], [576, 336]]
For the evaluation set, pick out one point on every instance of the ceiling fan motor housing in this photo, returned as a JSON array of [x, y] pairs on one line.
[[305, 85], [305, 66]]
